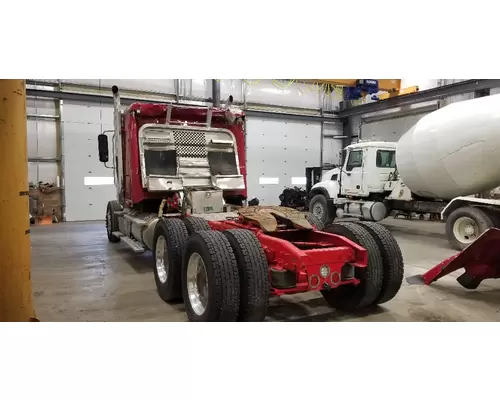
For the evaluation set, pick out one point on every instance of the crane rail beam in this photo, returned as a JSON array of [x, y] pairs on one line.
[[438, 93]]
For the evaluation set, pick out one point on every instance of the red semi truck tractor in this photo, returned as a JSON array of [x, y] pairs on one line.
[[180, 177]]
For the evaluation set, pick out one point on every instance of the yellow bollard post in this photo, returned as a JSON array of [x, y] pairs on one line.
[[16, 303]]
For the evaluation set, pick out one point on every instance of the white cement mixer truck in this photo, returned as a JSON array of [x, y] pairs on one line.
[[439, 167]]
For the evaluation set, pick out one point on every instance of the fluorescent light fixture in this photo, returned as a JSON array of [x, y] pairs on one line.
[[298, 180], [98, 180], [263, 180]]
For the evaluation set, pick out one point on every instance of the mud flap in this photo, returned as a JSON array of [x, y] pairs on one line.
[[481, 260]]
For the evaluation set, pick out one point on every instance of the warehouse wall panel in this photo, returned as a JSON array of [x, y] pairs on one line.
[[283, 94], [278, 151], [40, 106], [195, 88], [33, 172], [332, 147], [82, 112], [389, 130], [44, 133], [232, 87], [82, 123], [48, 80], [32, 138], [42, 172], [423, 84], [397, 110], [47, 172], [148, 85], [455, 99], [86, 82]]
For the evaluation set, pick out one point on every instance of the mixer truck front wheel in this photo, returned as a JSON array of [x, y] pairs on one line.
[[465, 225], [322, 208]]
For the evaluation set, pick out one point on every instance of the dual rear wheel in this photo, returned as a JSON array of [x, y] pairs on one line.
[[381, 280], [221, 276]]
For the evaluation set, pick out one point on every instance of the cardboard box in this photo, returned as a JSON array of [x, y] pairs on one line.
[[47, 203]]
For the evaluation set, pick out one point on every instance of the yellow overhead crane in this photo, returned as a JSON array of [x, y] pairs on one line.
[[361, 87], [386, 85]]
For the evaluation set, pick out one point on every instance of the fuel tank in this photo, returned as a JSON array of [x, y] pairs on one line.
[[454, 151]]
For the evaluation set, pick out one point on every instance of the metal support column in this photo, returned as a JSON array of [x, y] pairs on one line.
[[16, 303], [216, 92]]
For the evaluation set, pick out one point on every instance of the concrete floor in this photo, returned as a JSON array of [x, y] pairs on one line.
[[79, 276]]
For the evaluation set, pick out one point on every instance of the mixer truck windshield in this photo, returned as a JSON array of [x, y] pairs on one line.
[[386, 159]]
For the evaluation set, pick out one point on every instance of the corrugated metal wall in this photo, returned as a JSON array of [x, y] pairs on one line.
[[43, 133], [389, 130]]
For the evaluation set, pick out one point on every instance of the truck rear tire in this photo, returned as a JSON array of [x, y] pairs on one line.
[[112, 220], [323, 209], [350, 297], [495, 217], [170, 238], [315, 221], [255, 287], [210, 278], [392, 258], [465, 225], [195, 224]]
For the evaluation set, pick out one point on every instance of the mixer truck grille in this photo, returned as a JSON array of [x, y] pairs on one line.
[[190, 144]]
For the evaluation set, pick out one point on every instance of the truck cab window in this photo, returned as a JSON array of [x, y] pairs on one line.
[[355, 160], [386, 158]]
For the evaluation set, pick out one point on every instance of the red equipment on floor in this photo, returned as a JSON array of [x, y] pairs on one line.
[[480, 260]]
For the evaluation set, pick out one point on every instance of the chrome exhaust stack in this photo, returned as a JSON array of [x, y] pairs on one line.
[[117, 110], [116, 142]]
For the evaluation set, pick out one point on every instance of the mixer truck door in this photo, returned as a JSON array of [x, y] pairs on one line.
[[352, 174]]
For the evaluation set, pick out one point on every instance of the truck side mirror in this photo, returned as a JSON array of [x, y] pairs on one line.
[[103, 148]]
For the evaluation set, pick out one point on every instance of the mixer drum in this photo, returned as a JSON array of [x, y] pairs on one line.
[[454, 151]]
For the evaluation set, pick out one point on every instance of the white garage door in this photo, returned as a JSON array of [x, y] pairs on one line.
[[278, 152], [89, 185]]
